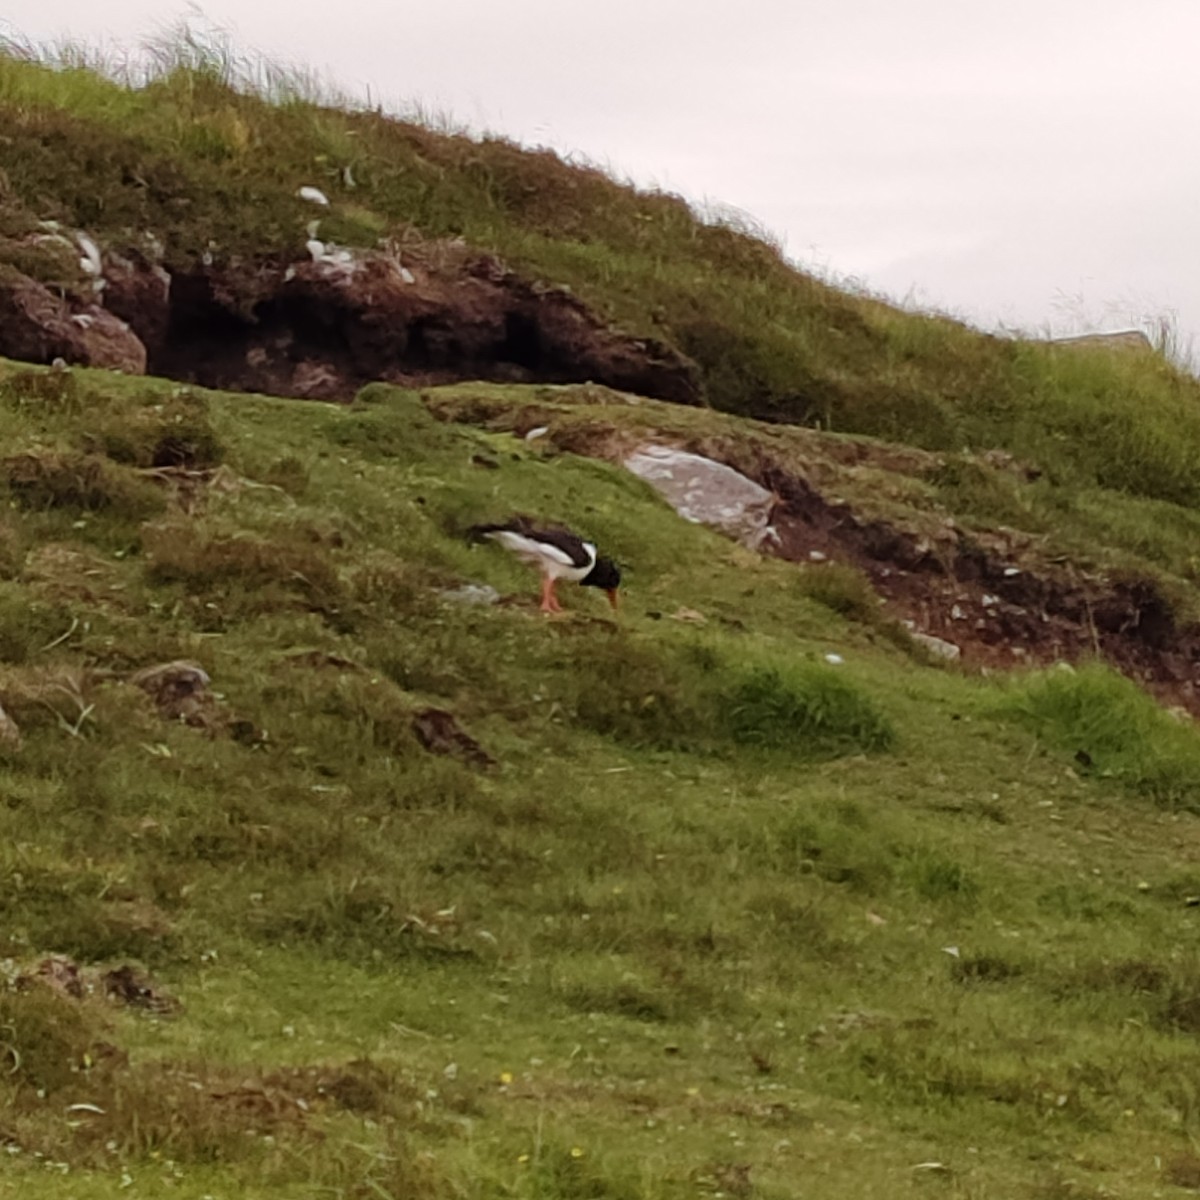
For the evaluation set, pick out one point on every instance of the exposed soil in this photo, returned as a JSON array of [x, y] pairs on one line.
[[982, 593], [324, 327], [988, 593]]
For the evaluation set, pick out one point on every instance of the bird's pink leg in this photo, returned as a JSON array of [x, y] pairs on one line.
[[550, 602]]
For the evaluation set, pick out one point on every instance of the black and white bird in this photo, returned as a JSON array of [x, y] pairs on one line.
[[558, 554]]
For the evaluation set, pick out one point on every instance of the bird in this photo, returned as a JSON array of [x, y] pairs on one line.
[[557, 553]]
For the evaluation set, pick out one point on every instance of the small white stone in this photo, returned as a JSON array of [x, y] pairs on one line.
[[937, 646], [313, 196], [91, 255]]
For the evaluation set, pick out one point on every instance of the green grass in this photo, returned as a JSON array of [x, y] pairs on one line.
[[1114, 730], [691, 935], [725, 917]]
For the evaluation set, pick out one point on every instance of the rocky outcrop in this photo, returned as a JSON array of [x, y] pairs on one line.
[[138, 291], [38, 326], [707, 492], [322, 328]]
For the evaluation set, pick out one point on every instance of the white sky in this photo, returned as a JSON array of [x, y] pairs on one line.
[[1029, 162]]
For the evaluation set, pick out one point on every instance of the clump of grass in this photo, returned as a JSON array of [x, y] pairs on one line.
[[43, 392], [288, 473], [27, 626], [808, 710], [386, 422], [46, 1038], [568, 1173], [935, 876], [362, 919], [636, 693], [45, 480], [843, 589], [76, 912], [837, 850], [1113, 729], [175, 433], [249, 572], [967, 486], [622, 998]]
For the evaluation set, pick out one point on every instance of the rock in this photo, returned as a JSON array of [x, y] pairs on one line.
[[37, 326], [108, 342], [139, 293], [1124, 339], [707, 492], [938, 647], [472, 593], [180, 692], [440, 733], [313, 196]]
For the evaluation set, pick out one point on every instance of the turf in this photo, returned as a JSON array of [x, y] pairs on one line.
[[723, 918]]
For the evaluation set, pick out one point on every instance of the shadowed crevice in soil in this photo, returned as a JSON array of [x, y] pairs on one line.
[[323, 329]]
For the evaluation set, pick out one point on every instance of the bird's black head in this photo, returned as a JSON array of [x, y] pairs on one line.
[[604, 574]]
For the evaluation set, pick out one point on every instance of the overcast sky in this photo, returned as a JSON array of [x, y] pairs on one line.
[[1031, 163]]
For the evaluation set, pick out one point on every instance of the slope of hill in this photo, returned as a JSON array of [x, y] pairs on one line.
[[322, 879]]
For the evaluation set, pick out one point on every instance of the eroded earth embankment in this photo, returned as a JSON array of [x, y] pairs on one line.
[[1003, 597]]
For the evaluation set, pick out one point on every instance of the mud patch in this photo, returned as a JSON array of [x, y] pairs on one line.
[[126, 985]]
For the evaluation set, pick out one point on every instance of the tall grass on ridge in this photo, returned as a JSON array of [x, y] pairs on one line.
[[1113, 730]]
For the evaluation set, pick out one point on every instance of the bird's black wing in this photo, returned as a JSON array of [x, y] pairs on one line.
[[571, 544], [563, 539]]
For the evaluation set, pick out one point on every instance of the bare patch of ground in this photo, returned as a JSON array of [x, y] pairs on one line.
[[323, 327], [988, 595]]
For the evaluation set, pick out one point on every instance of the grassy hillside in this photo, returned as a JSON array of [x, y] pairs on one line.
[[722, 917], [734, 893], [208, 153]]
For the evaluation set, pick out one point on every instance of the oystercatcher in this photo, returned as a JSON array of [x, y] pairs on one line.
[[558, 554]]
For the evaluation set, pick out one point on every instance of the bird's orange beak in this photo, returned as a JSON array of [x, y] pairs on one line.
[[611, 593]]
